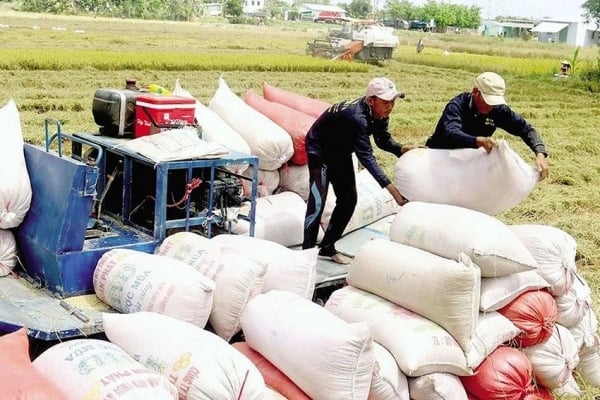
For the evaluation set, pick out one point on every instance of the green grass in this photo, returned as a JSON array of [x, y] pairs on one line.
[[98, 53]]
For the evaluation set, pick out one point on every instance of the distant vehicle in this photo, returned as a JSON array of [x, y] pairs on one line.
[[419, 26], [395, 23], [328, 17], [361, 40]]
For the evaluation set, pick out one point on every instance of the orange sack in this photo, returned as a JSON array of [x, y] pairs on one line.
[[505, 375], [273, 377], [20, 379], [305, 104], [294, 122], [534, 313]]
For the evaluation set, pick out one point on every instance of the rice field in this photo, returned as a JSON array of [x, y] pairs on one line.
[[51, 67]]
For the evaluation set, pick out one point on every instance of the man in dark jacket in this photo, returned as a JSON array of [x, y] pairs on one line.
[[470, 119], [343, 129]]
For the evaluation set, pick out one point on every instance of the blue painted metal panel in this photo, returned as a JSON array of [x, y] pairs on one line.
[[52, 238], [62, 199]]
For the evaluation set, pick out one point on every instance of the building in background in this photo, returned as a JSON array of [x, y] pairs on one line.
[[508, 28], [576, 33]]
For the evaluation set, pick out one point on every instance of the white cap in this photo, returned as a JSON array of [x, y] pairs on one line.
[[383, 88], [492, 87]]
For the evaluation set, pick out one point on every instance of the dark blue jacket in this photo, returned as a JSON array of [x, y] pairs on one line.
[[345, 128], [460, 123]]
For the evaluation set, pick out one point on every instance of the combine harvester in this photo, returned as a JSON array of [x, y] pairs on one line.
[[361, 40]]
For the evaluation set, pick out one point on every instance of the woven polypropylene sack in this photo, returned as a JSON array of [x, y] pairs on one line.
[[93, 368], [407, 276], [534, 313], [505, 375], [268, 141], [554, 251], [471, 178], [202, 365], [448, 230], [327, 357]]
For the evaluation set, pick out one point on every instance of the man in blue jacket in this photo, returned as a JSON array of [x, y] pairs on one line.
[[343, 129], [470, 119]]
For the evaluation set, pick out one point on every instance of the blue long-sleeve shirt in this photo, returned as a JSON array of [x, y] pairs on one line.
[[345, 128], [460, 123]]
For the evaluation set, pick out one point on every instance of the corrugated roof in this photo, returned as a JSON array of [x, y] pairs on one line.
[[549, 27]]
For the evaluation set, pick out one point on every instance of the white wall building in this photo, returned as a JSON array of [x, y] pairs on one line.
[[575, 33]]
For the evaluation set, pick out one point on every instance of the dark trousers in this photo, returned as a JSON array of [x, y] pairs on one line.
[[340, 173]]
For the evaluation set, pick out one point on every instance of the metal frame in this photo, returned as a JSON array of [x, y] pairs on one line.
[[161, 223]]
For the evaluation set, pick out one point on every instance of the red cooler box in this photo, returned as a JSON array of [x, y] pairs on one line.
[[154, 114]]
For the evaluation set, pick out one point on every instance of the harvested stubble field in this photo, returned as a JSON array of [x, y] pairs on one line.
[[51, 67]]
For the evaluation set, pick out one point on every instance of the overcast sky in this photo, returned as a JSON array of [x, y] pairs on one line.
[[556, 9]]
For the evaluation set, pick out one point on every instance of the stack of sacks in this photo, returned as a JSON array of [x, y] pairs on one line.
[[216, 130], [450, 234], [294, 122], [470, 178], [268, 141], [555, 252], [512, 283], [15, 187], [304, 104], [326, 357], [200, 364], [397, 278], [20, 379], [131, 281], [92, 368], [238, 276]]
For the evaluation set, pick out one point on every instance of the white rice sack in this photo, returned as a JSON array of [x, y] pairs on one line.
[[470, 178], [554, 360], [492, 330], [287, 269], [374, 203], [325, 356], [268, 181], [498, 292], [389, 382], [215, 129], [278, 218], [448, 230], [573, 305], [132, 281], [238, 277], [97, 369], [589, 365], [200, 364], [585, 332], [408, 276], [15, 187], [419, 345], [268, 141], [8, 252], [437, 386], [554, 251], [295, 178]]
